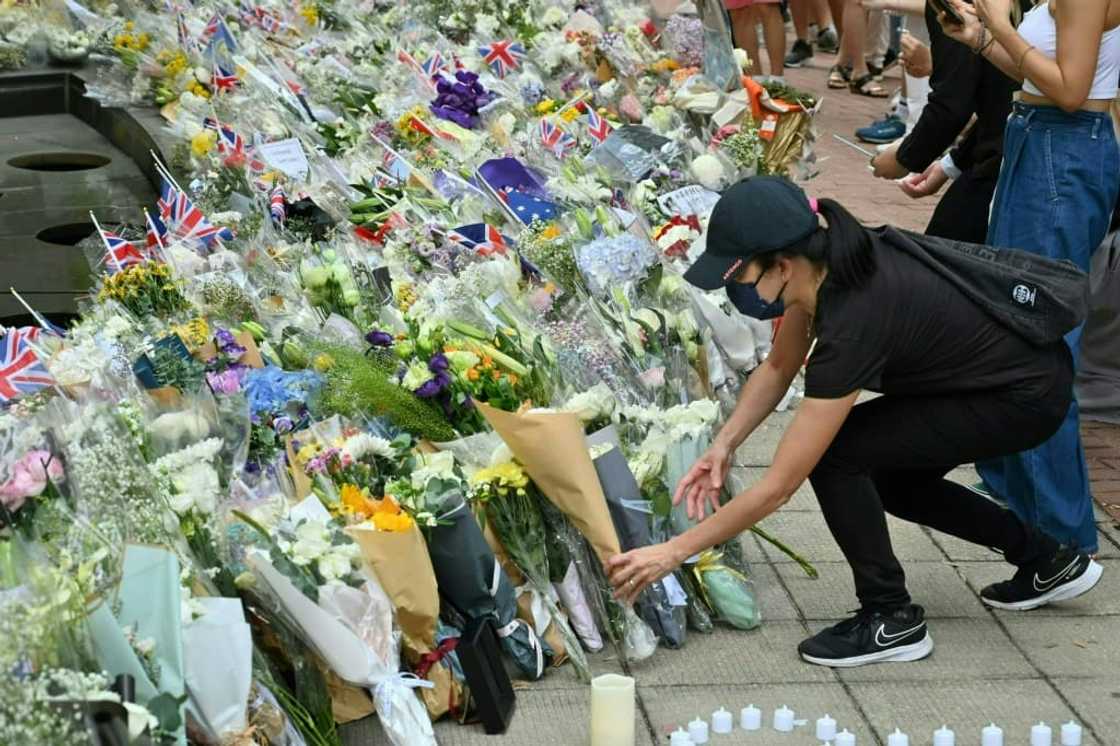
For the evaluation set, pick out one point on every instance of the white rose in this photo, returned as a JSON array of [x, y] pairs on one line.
[[334, 566], [439, 465], [313, 540], [554, 17], [708, 170]]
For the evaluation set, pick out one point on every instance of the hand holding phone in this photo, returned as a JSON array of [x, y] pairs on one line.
[[951, 14]]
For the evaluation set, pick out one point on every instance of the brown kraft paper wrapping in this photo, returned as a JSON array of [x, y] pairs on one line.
[[402, 566], [553, 449]]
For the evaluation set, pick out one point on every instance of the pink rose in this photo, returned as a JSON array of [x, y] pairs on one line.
[[630, 107], [29, 477]]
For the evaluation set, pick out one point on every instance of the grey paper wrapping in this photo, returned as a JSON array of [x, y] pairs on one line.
[[473, 581], [632, 522]]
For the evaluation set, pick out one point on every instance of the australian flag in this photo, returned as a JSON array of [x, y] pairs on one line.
[[528, 207], [21, 370]]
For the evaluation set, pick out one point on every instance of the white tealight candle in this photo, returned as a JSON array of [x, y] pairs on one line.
[[680, 737], [944, 737], [1041, 735], [750, 718], [826, 728], [783, 719], [844, 738], [991, 735], [1071, 734], [722, 722], [698, 730], [898, 738], [612, 710]]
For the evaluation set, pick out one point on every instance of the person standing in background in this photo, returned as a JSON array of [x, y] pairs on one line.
[[820, 31], [745, 16], [1057, 187]]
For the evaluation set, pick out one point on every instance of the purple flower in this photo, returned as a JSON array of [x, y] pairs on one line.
[[430, 389], [227, 343], [379, 338], [460, 100], [226, 382], [283, 425], [438, 364]]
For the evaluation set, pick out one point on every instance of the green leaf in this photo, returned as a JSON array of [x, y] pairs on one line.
[[166, 709]]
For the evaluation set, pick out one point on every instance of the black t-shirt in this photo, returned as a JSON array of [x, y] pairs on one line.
[[910, 331]]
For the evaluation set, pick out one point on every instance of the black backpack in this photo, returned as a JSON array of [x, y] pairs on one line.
[[1039, 298]]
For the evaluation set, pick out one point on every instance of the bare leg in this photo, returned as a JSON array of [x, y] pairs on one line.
[[822, 14], [799, 9], [837, 9], [855, 33], [746, 38], [774, 31]]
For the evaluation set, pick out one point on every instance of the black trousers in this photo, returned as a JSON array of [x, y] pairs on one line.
[[891, 456], [962, 213]]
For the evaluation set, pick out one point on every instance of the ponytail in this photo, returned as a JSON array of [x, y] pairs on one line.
[[848, 251]]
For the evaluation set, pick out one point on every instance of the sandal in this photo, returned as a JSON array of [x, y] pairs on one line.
[[868, 86], [839, 77]]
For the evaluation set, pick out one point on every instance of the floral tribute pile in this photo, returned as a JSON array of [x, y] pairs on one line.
[[403, 345]]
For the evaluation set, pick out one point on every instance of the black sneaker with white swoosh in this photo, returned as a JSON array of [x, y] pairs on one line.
[[871, 637], [1065, 575]]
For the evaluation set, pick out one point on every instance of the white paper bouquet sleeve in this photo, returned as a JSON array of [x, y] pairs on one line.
[[327, 627], [218, 661]]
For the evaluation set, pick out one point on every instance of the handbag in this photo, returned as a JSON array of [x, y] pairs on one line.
[[1039, 298]]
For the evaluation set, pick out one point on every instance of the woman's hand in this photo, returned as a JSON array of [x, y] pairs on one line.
[[632, 572], [916, 58], [704, 481], [967, 33], [996, 14], [927, 183], [877, 4]]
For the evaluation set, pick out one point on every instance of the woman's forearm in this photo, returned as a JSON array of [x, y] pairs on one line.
[[998, 56], [744, 511]]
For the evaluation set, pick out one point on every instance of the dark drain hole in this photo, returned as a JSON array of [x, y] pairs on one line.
[[66, 235], [59, 161]]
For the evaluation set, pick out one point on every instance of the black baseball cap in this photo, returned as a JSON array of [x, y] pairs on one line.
[[757, 215]]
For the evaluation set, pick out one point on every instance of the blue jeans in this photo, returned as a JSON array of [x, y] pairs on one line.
[[1056, 192]]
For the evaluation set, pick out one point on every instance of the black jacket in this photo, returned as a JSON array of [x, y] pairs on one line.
[[962, 84]]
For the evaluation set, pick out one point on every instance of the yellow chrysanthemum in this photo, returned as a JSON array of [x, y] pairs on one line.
[[203, 142]]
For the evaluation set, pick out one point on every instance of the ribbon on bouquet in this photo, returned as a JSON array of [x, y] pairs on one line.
[[708, 561], [429, 659], [383, 692]]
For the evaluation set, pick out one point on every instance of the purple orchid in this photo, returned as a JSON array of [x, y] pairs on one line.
[[459, 101], [226, 382], [378, 338]]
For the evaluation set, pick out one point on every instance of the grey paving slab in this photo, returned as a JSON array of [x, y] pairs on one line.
[[1097, 703], [809, 534], [1072, 648], [1104, 599], [542, 718], [672, 706], [803, 499], [965, 706], [963, 649], [727, 656], [775, 602], [934, 585], [564, 676]]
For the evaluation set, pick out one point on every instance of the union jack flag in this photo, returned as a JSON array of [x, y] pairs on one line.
[[186, 41], [120, 252], [276, 204], [189, 222], [409, 61], [556, 139], [21, 371], [481, 237], [224, 80], [258, 16], [217, 31], [229, 142], [434, 65], [597, 127], [503, 56], [153, 239], [167, 199]]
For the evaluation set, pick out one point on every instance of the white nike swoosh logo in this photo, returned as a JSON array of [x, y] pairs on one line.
[[1041, 585], [882, 639]]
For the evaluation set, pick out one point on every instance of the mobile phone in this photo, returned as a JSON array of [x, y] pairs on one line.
[[943, 6]]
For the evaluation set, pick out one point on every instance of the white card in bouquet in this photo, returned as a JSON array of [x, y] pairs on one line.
[[286, 155], [690, 200], [309, 509]]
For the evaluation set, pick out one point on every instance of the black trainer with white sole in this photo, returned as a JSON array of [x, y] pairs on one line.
[[1061, 577], [871, 637]]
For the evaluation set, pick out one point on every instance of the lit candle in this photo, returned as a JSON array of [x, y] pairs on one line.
[[698, 731], [750, 718], [783, 719], [844, 738], [1071, 734], [898, 738], [992, 735], [722, 722], [680, 737], [1041, 735], [612, 710], [944, 737], [826, 728]]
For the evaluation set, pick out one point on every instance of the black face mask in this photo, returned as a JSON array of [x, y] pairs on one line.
[[745, 298]]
